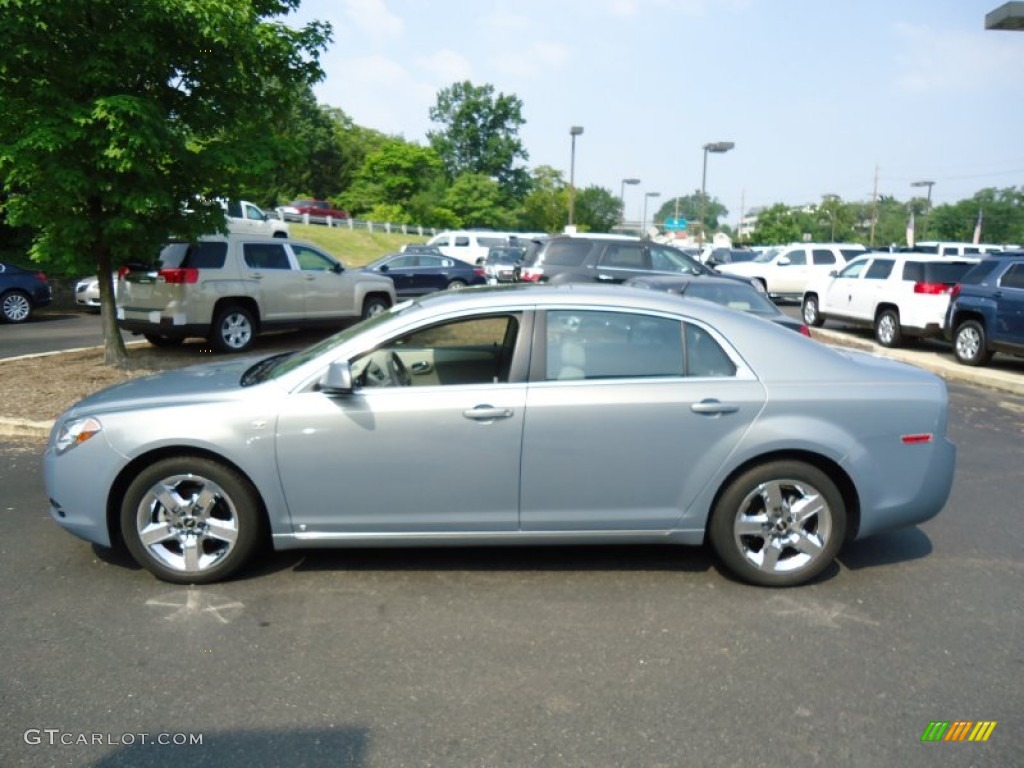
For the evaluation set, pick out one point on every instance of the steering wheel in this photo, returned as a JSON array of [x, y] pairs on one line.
[[400, 375]]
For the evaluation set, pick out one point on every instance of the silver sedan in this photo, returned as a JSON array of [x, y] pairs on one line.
[[512, 415]]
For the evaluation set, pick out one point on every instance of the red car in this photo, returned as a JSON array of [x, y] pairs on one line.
[[313, 208]]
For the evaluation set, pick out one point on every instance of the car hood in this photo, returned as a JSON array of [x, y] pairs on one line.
[[196, 383]]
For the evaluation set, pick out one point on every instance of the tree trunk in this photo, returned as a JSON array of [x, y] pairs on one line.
[[114, 351]]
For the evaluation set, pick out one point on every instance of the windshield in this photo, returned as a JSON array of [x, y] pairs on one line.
[[767, 256]]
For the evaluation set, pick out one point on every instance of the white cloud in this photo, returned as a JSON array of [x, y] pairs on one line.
[[532, 61], [372, 18], [447, 66]]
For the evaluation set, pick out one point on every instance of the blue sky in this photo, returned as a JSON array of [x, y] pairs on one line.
[[814, 93]]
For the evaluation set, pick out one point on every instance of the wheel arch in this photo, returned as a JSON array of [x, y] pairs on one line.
[[882, 306], [835, 473], [124, 478], [245, 301]]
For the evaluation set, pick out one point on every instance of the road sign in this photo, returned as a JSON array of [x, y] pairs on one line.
[[676, 225]]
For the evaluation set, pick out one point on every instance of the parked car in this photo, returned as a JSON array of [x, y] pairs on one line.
[[720, 290], [471, 244], [718, 256], [601, 258], [22, 291], [986, 310], [501, 264], [626, 416], [314, 208], [245, 218], [898, 294], [786, 270], [418, 273], [230, 288], [87, 293]]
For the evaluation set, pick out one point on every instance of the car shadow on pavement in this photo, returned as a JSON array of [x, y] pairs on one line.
[[886, 549], [555, 558]]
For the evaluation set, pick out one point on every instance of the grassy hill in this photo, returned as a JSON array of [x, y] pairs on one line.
[[356, 247]]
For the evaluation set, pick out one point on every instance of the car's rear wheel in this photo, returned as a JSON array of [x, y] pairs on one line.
[[888, 332], [163, 341], [234, 329], [373, 306], [779, 524], [811, 313], [969, 344], [191, 520], [15, 307], [456, 285]]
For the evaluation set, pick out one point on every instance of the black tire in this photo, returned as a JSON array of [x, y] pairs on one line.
[[888, 332], [970, 344], [233, 329], [811, 313], [374, 305], [163, 341], [218, 513], [15, 307], [455, 285], [770, 546]]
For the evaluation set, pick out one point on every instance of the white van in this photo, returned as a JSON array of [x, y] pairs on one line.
[[943, 248], [469, 244]]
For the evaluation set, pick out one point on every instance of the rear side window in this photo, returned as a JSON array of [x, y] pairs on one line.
[[942, 272], [204, 255], [265, 256], [566, 254], [879, 269], [980, 272], [821, 256], [1013, 277], [610, 345], [625, 256]]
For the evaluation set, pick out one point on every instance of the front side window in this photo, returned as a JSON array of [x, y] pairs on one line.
[[854, 269], [671, 260], [312, 260], [465, 351], [796, 259]]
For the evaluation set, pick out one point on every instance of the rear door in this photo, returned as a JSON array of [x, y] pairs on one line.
[[629, 415]]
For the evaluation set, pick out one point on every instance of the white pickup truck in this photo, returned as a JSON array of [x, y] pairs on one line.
[[245, 218]]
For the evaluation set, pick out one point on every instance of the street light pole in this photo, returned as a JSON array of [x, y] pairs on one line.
[[574, 131], [714, 146], [643, 221], [622, 197], [928, 210]]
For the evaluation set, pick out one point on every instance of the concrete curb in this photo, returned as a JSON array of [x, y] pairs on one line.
[[950, 370]]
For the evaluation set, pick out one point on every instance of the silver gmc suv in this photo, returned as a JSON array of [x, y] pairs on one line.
[[229, 288]]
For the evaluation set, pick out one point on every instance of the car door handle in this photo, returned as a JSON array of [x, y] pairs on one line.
[[487, 413], [420, 367], [256, 275], [605, 278], [713, 407]]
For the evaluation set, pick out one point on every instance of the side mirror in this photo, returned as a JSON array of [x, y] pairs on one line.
[[834, 273], [383, 268], [480, 261], [338, 379], [337, 268], [783, 261]]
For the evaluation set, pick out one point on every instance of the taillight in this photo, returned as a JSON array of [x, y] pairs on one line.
[[41, 276], [122, 273], [931, 288], [479, 271], [531, 275], [916, 439], [179, 275], [955, 292], [805, 331]]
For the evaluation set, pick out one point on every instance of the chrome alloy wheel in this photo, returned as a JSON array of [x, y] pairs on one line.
[[187, 523], [968, 342], [783, 526], [16, 307], [236, 330]]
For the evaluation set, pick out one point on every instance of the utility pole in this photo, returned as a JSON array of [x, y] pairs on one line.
[[874, 208]]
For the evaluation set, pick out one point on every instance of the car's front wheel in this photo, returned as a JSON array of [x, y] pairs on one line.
[[888, 332], [373, 306], [811, 312], [15, 307], [779, 524], [970, 345], [234, 329], [191, 520]]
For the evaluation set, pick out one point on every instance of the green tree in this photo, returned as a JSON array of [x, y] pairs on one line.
[[1002, 213], [689, 208], [596, 209], [546, 206], [779, 224], [116, 118], [477, 201], [479, 134], [392, 175]]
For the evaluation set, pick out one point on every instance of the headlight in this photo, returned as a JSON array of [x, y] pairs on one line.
[[75, 432]]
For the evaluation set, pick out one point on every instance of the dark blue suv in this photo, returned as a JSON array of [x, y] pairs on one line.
[[986, 309]]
